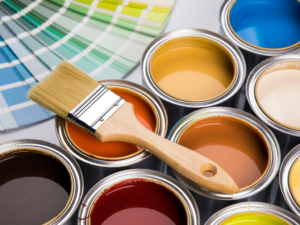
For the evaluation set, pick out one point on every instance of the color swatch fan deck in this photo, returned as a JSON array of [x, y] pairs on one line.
[[106, 39]]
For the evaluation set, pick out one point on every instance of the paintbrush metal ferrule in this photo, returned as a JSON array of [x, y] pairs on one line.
[[95, 109]]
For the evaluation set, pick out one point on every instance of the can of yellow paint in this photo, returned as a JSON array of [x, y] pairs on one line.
[[193, 68], [259, 213]]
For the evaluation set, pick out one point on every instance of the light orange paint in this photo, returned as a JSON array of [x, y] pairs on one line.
[[114, 150], [233, 144], [192, 69], [294, 181]]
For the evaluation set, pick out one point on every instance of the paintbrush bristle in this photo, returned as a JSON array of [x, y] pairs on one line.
[[63, 90]]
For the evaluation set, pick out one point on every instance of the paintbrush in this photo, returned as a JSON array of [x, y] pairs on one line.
[[78, 98]]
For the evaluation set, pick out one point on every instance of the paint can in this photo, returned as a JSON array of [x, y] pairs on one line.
[[134, 177], [207, 128], [95, 166], [48, 177], [288, 181], [287, 136], [190, 69], [261, 29], [261, 213]]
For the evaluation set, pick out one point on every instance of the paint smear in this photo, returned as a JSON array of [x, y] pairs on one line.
[[278, 96], [192, 69], [136, 202], [254, 218], [234, 145], [294, 181], [269, 24], [113, 150]]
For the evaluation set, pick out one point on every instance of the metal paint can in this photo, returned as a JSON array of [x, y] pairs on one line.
[[253, 54], [255, 207], [210, 202], [42, 147], [202, 39], [285, 199], [170, 183], [95, 169]]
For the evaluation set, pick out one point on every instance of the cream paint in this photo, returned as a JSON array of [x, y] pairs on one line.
[[278, 94]]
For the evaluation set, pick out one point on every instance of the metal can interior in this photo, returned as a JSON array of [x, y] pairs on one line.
[[285, 175], [168, 182], [270, 140], [230, 33], [144, 94], [193, 38], [272, 64], [255, 207], [45, 148]]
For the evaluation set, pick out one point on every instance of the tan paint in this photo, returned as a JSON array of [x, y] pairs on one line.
[[294, 181], [277, 92], [192, 69], [233, 144]]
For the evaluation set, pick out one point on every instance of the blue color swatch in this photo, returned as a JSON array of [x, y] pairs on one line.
[[269, 24]]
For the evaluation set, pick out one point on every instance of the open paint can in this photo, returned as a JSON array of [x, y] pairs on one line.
[[39, 183], [237, 141], [253, 213], [273, 90], [98, 160], [193, 68], [289, 181], [261, 29], [139, 196]]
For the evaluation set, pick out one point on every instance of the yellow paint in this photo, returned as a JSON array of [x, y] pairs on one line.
[[294, 181], [192, 69]]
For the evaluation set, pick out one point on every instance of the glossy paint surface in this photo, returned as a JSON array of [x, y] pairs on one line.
[[91, 146], [136, 202], [294, 181], [193, 70], [271, 24], [278, 96], [231, 143], [254, 218], [34, 188]]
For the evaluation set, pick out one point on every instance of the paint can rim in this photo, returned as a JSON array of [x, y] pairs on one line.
[[173, 185], [68, 161], [162, 126], [284, 172], [238, 60], [251, 96], [245, 207], [275, 155]]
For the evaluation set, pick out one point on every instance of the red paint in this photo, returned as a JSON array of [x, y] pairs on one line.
[[138, 202]]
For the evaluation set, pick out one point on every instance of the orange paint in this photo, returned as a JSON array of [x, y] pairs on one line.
[[114, 150]]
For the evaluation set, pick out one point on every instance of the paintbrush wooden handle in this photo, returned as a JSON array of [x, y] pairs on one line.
[[124, 126]]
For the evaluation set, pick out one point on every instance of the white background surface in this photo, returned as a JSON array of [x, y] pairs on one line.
[[202, 14]]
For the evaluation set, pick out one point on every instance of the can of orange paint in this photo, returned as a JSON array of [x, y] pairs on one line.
[[237, 141], [98, 160], [190, 69]]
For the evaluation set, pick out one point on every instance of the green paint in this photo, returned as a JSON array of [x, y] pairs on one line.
[[254, 218]]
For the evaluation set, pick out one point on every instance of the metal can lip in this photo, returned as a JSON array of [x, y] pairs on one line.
[[245, 207], [230, 47], [171, 183], [69, 162], [225, 26], [250, 91], [162, 120], [285, 168], [275, 155]]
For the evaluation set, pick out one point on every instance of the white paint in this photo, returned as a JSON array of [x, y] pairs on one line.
[[279, 96]]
